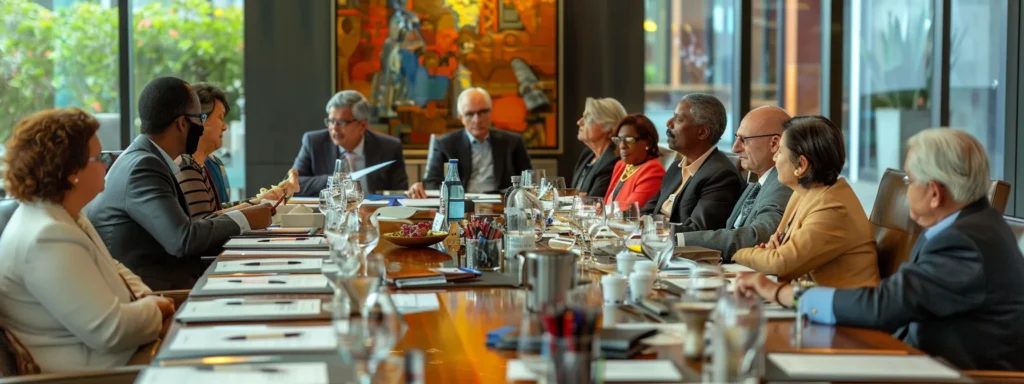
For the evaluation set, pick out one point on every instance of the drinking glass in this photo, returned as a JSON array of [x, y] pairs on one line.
[[344, 253], [738, 333], [324, 200], [588, 214], [707, 282], [548, 196], [656, 242], [366, 232], [353, 194], [341, 169], [623, 219]]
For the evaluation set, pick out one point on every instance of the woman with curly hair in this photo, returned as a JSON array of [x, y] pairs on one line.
[[61, 293]]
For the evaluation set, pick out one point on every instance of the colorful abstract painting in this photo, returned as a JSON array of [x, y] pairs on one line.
[[412, 58]]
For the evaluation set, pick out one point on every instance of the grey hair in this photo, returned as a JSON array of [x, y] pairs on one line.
[[604, 111], [352, 100], [708, 111], [951, 157], [465, 95]]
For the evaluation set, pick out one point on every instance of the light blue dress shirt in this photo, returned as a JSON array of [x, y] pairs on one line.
[[358, 162], [237, 216], [481, 178], [816, 303]]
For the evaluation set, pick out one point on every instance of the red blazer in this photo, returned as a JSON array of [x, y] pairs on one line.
[[642, 186]]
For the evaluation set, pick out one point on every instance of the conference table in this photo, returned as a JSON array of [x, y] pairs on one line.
[[453, 337]]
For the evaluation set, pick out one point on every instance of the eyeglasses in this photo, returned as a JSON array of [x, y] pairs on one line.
[[472, 114], [329, 122], [629, 140], [743, 139], [201, 116]]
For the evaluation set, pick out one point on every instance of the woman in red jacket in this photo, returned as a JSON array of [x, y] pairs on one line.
[[637, 176]]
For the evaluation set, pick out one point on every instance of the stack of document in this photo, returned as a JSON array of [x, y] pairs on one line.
[[249, 340], [415, 302], [834, 367], [242, 309], [310, 264], [228, 284], [307, 242], [311, 373]]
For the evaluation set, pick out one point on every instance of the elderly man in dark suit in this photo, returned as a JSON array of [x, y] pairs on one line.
[[142, 214], [488, 157], [700, 191], [757, 215], [348, 138], [961, 296]]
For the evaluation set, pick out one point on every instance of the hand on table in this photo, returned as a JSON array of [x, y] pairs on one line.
[[754, 285], [165, 304], [259, 216], [416, 191]]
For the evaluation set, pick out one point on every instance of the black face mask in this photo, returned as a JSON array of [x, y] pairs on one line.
[[195, 131]]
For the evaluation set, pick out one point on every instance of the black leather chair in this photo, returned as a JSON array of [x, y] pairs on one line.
[[7, 208]]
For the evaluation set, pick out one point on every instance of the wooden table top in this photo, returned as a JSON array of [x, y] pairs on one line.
[[453, 338]]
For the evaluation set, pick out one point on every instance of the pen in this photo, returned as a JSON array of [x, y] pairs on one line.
[[257, 282], [284, 239], [231, 368], [265, 336], [258, 302], [262, 263], [470, 270]]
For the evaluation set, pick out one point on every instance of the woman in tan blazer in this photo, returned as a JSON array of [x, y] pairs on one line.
[[824, 232]]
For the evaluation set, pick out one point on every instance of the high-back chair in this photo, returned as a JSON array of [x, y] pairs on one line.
[[895, 233], [1017, 225]]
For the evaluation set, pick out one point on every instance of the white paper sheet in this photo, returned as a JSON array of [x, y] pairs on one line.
[[264, 282], [304, 200], [867, 367], [421, 203], [242, 308], [312, 338], [416, 302], [268, 264], [614, 371], [375, 203], [736, 268], [277, 242], [705, 283], [260, 252], [310, 373]]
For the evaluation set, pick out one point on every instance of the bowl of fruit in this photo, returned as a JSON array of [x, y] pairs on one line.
[[415, 235]]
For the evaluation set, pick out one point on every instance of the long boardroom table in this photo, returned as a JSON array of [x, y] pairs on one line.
[[453, 337]]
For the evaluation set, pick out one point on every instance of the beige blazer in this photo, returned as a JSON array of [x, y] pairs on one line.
[[828, 237], [62, 294]]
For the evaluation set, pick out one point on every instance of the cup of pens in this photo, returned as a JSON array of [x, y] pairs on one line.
[[571, 345], [483, 244]]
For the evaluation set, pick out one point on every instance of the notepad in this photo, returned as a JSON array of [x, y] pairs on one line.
[[703, 283], [243, 309], [735, 268], [270, 283], [268, 264], [415, 302], [277, 243], [257, 338], [614, 371], [861, 367], [420, 203], [304, 200], [375, 203], [264, 252], [309, 373]]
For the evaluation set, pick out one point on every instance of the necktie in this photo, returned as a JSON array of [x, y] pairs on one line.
[[748, 204]]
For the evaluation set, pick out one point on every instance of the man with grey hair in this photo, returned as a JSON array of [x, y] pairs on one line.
[[961, 296], [347, 138], [699, 192], [488, 157]]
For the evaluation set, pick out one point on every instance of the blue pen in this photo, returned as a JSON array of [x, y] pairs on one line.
[[470, 270]]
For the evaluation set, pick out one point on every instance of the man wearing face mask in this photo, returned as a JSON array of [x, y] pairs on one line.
[[142, 214]]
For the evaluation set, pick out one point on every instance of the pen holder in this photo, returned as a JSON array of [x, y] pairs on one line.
[[483, 255], [571, 360]]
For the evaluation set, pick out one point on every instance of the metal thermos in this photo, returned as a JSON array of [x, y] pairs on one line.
[[548, 275]]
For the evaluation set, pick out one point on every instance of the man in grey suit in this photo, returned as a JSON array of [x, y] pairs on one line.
[[349, 138], [757, 215], [699, 192], [142, 215], [961, 296]]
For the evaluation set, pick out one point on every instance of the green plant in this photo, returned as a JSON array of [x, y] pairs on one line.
[[70, 57]]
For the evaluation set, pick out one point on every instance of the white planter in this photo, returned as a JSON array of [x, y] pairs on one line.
[[893, 127]]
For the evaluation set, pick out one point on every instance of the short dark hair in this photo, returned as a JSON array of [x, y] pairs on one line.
[[209, 93], [161, 102], [645, 128], [709, 112], [821, 142], [45, 149]]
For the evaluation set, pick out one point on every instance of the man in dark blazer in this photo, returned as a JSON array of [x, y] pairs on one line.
[[142, 216], [712, 185], [348, 138], [961, 295], [757, 214], [488, 157]]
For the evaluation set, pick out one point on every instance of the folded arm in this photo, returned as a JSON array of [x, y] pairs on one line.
[[820, 238]]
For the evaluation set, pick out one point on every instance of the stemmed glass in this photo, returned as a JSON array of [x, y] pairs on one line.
[[623, 219], [656, 242], [548, 197], [341, 169], [365, 231], [738, 333], [353, 194], [587, 216]]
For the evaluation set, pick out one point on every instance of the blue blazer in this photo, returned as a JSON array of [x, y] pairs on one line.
[[315, 162]]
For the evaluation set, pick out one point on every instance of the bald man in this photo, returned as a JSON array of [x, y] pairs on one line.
[[759, 210]]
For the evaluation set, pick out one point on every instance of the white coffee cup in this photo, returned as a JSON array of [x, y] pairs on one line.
[[625, 261], [613, 287], [640, 284], [645, 266]]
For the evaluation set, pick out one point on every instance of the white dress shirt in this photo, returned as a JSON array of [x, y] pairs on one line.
[[62, 294]]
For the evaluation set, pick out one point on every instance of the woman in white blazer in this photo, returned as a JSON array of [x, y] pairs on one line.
[[62, 295]]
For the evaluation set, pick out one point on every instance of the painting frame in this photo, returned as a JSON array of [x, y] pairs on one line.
[[554, 128]]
